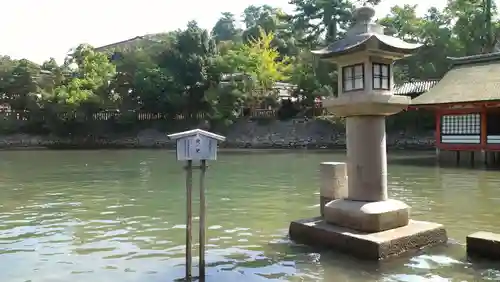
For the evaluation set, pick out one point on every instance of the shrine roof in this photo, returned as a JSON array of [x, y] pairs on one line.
[[470, 79]]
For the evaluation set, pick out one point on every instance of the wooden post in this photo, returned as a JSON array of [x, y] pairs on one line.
[[439, 116], [484, 128], [198, 145], [203, 167], [189, 217], [484, 134]]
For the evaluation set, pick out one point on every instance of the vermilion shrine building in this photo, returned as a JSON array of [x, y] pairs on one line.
[[467, 106]]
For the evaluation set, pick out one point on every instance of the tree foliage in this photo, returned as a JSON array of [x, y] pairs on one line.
[[192, 73]]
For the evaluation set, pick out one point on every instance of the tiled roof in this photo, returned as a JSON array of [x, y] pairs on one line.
[[414, 87], [128, 41], [134, 42]]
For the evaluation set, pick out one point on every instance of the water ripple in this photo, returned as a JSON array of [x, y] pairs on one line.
[[120, 216]]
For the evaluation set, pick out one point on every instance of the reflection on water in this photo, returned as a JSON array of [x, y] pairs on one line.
[[119, 216]]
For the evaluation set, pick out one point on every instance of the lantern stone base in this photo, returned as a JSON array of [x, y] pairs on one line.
[[362, 104], [373, 246], [367, 216]]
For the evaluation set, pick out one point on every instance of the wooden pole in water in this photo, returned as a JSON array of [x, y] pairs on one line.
[[203, 167], [189, 217], [198, 145]]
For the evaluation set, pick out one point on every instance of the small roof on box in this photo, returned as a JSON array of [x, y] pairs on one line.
[[364, 30], [194, 132]]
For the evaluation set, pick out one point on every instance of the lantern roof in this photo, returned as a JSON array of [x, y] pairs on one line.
[[363, 31]]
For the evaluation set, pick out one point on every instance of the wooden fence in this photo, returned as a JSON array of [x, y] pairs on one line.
[[100, 116], [140, 116]]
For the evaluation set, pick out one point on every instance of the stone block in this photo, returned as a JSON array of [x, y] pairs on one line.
[[373, 246], [367, 216], [484, 244], [333, 182]]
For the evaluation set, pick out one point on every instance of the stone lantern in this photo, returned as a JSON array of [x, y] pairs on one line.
[[366, 215]]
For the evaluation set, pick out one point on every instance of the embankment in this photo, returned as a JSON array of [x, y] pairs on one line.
[[248, 134]]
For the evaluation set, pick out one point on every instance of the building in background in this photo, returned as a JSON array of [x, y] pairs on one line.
[[467, 106], [415, 88]]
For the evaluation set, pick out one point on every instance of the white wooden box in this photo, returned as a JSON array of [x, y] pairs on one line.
[[197, 144]]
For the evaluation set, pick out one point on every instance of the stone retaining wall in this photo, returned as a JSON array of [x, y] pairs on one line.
[[311, 134], [244, 134]]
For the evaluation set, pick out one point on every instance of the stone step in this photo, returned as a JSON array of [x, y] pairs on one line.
[[484, 244]]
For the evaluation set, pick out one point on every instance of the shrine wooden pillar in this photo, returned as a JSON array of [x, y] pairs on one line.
[[438, 132]]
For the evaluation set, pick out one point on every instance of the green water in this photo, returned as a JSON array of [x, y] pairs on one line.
[[119, 216]]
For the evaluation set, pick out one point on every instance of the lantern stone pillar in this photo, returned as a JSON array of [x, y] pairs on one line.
[[366, 152], [366, 222]]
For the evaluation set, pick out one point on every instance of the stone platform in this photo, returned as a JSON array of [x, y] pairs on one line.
[[373, 246], [484, 244]]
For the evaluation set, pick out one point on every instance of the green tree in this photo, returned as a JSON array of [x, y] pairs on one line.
[[260, 64], [225, 28], [89, 81], [313, 78], [271, 20], [316, 17], [457, 30], [22, 85], [187, 71]]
